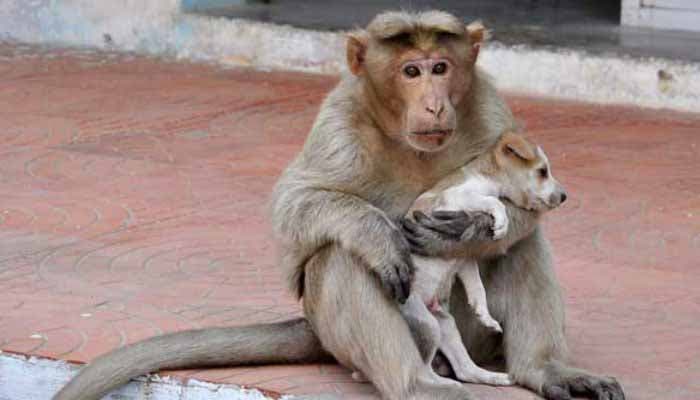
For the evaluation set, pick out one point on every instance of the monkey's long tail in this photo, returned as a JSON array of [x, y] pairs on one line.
[[290, 341]]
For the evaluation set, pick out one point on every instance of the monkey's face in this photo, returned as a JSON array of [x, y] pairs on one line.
[[428, 88], [416, 74]]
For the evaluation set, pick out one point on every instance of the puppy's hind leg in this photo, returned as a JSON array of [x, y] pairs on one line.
[[465, 369], [426, 333]]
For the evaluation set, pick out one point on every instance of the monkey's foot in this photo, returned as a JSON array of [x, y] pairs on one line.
[[563, 383]]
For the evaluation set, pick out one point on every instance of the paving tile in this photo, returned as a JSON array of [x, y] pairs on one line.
[[134, 198]]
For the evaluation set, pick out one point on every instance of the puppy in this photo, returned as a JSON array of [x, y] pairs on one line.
[[514, 169]]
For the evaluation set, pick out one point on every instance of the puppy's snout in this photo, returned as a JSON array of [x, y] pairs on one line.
[[558, 197]]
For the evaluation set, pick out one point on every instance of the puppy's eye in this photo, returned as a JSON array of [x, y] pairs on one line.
[[544, 172], [411, 71], [440, 68]]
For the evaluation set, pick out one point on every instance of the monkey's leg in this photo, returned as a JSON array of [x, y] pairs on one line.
[[523, 285], [365, 330], [468, 273]]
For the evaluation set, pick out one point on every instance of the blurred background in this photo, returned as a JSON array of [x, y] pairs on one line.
[[637, 27], [642, 52]]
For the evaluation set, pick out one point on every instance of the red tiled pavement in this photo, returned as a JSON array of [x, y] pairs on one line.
[[132, 203]]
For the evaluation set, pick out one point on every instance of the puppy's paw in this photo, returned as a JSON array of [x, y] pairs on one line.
[[490, 323], [498, 379], [482, 376], [500, 221], [494, 326]]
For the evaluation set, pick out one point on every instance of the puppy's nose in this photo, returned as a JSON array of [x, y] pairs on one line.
[[563, 197]]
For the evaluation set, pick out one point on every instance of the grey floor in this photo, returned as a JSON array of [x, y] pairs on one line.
[[592, 25]]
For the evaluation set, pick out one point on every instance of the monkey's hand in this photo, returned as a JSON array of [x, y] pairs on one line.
[[563, 383], [395, 271], [444, 232]]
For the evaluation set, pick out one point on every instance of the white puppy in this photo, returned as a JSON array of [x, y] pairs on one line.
[[514, 169]]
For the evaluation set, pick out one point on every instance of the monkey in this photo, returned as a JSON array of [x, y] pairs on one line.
[[412, 108]]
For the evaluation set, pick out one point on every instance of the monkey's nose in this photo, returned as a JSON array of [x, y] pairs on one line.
[[435, 109]]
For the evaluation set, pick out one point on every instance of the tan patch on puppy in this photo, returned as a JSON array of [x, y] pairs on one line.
[[513, 146]]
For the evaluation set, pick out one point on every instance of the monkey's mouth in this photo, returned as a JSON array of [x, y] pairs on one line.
[[434, 134], [429, 140]]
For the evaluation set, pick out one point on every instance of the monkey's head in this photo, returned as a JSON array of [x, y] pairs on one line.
[[415, 70]]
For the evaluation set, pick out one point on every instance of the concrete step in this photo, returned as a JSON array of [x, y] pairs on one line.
[[563, 71]]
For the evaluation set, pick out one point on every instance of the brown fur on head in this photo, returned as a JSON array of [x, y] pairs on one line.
[[525, 166], [417, 68]]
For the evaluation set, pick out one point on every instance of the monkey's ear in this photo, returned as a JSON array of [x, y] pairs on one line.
[[477, 34], [515, 145], [356, 49]]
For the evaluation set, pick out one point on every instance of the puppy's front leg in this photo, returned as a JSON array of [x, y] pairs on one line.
[[468, 273]]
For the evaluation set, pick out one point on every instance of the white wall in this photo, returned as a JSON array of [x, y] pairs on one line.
[[158, 27], [662, 14]]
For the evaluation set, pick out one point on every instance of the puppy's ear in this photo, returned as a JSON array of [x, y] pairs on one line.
[[514, 145]]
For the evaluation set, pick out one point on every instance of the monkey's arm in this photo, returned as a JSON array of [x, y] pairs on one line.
[[466, 234], [308, 218]]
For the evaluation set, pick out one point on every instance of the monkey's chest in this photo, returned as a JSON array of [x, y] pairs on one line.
[[393, 198]]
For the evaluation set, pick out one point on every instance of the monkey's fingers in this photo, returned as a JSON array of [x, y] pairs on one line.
[[476, 225], [412, 235], [406, 278], [596, 388], [424, 241], [450, 228], [393, 283], [447, 215], [588, 386], [418, 247], [556, 393]]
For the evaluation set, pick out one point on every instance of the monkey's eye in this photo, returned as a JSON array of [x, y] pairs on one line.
[[544, 172], [439, 68], [411, 71]]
